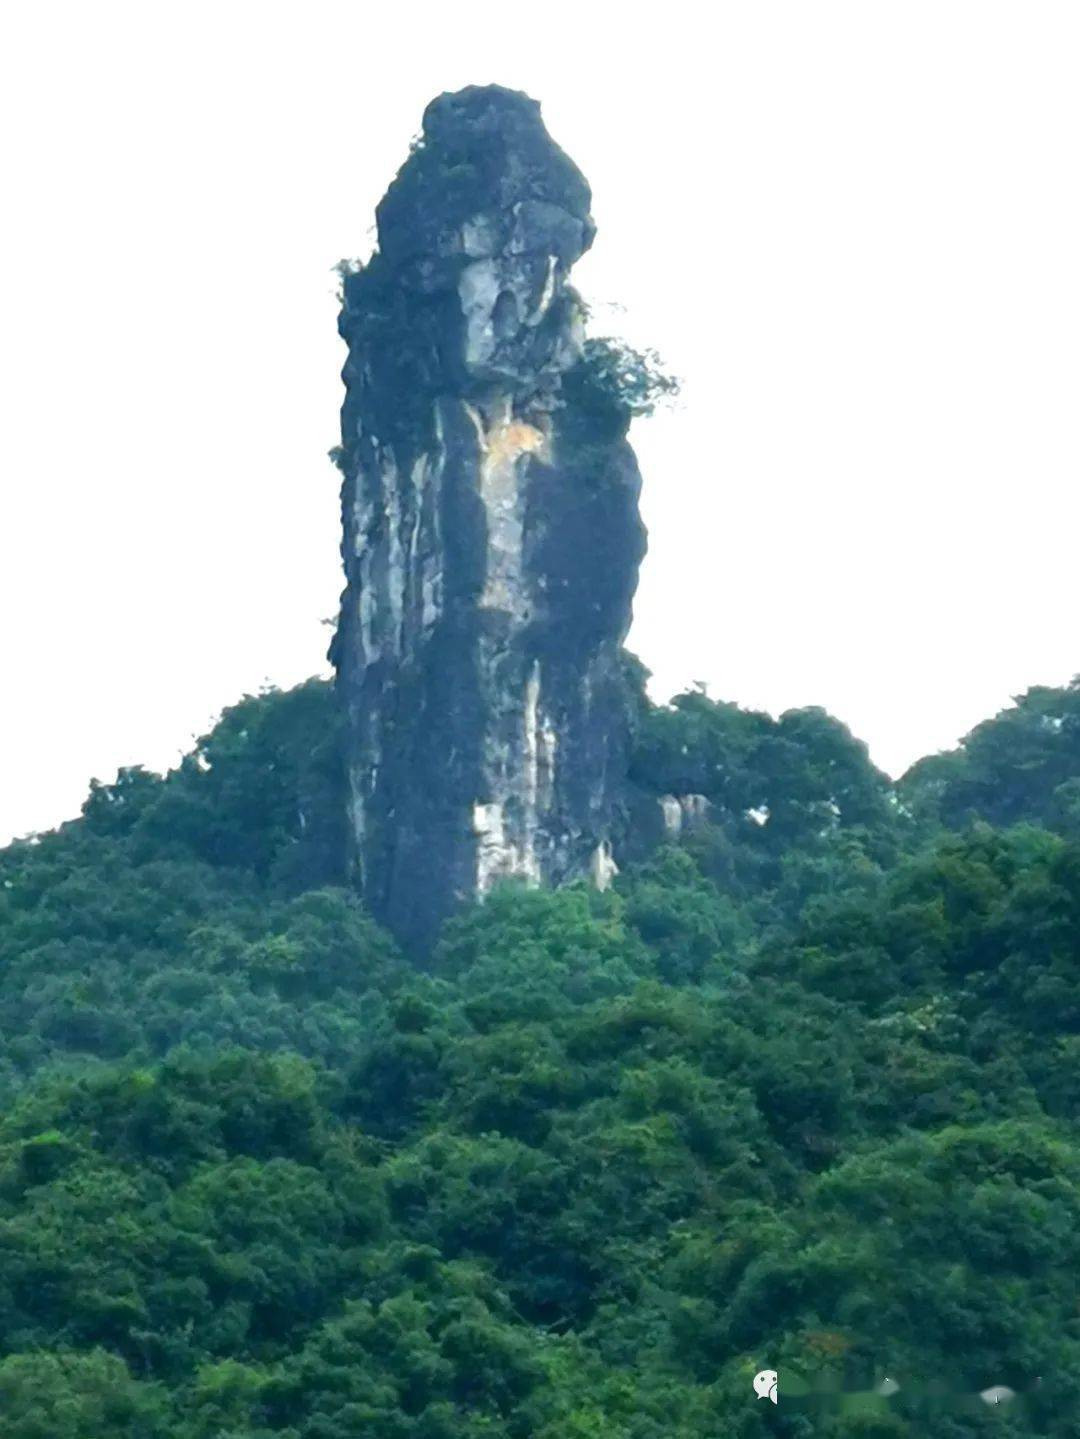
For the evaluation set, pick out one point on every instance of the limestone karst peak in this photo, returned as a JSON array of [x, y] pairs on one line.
[[491, 528]]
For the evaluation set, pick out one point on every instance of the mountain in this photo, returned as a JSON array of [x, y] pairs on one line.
[[473, 1049]]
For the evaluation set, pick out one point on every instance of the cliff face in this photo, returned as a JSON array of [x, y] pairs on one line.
[[491, 529]]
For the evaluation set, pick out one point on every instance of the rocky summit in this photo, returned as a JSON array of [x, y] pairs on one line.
[[491, 534]]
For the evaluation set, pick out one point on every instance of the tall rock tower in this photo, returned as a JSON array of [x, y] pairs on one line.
[[491, 530]]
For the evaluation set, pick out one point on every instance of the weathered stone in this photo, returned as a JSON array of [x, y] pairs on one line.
[[491, 530], [683, 814]]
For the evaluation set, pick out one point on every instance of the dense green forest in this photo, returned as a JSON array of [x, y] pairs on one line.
[[799, 1092]]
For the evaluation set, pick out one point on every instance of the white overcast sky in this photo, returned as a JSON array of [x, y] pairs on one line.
[[853, 229]]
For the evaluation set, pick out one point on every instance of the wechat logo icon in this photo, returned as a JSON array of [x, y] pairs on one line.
[[765, 1384]]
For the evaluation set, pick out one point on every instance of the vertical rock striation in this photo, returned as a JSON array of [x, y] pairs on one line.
[[491, 530]]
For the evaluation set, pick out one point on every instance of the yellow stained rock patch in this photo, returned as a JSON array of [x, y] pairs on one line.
[[506, 441]]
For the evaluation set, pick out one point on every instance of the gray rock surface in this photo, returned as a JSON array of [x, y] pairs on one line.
[[491, 535]]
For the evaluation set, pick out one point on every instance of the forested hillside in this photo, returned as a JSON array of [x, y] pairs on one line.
[[800, 1092]]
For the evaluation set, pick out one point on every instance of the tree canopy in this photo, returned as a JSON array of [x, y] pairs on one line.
[[799, 1092]]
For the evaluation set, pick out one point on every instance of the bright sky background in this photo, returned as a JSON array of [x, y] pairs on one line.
[[852, 228]]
